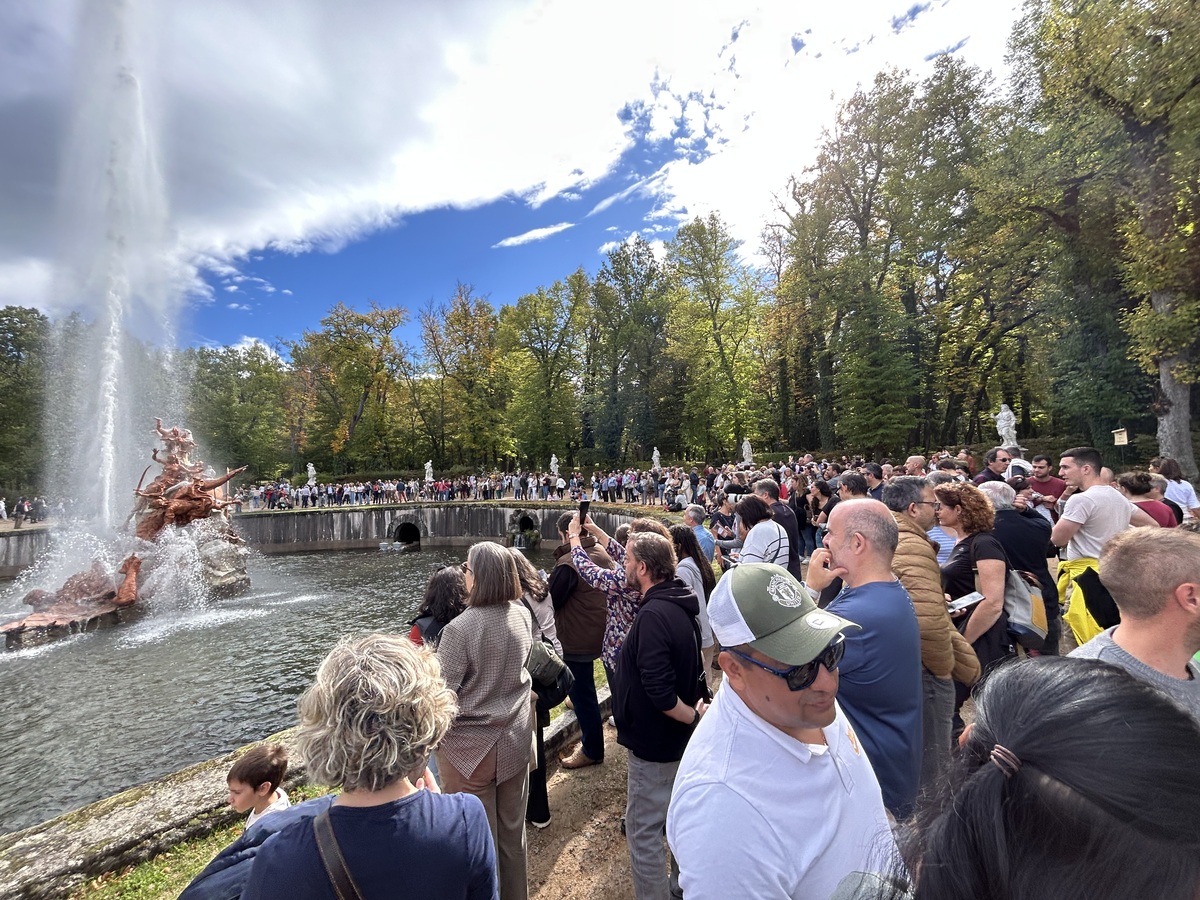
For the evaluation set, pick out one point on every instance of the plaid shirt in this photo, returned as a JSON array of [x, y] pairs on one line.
[[623, 601], [483, 653]]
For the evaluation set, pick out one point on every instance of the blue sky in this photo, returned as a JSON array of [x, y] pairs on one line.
[[422, 258], [282, 156]]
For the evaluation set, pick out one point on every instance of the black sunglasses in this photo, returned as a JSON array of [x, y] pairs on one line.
[[802, 676]]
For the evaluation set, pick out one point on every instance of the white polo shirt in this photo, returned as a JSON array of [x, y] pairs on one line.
[[756, 813]]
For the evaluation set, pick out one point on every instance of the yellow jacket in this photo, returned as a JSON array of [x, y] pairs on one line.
[[1081, 619]]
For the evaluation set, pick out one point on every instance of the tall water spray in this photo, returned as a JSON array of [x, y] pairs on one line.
[[113, 210]]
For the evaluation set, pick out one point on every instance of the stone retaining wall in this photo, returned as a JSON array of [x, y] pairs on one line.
[[19, 549], [51, 860], [345, 528]]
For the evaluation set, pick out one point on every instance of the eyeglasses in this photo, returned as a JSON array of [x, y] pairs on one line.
[[466, 569], [936, 504], [802, 676], [1008, 460]]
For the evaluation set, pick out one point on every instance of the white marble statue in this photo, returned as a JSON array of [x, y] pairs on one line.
[[429, 470], [312, 475], [656, 458], [1006, 426], [747, 452], [553, 465]]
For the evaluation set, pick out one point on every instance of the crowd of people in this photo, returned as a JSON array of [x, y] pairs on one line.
[[25, 510], [845, 612]]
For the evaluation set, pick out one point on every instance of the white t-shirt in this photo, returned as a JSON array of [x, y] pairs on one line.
[[802, 820], [1184, 494], [767, 542], [1102, 512], [689, 573], [281, 801]]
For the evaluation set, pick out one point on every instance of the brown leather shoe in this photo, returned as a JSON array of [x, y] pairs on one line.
[[579, 760]]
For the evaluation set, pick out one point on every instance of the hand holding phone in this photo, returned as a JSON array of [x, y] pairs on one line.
[[583, 511], [965, 601]]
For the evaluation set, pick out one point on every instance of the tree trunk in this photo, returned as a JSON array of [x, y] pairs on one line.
[[1174, 418]]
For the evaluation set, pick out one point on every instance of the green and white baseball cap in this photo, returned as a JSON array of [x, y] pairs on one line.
[[762, 605]]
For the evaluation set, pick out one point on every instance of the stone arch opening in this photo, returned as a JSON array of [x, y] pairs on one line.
[[526, 523], [408, 533]]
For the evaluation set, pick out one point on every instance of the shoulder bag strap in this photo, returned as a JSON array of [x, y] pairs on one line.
[[331, 856]]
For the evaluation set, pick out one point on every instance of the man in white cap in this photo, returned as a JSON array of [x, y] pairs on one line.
[[775, 797]]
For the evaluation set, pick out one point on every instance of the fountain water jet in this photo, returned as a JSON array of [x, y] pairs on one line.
[[114, 261], [116, 272]]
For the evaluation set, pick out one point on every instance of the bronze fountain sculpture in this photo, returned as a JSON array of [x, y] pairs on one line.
[[177, 497]]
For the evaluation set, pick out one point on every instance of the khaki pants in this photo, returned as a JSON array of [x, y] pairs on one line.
[[504, 804]]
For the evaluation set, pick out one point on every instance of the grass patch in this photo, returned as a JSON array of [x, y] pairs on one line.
[[166, 875]]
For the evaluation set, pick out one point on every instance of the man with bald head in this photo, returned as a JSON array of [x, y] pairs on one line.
[[881, 671], [915, 465]]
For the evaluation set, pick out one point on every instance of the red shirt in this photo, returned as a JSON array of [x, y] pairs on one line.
[[1158, 511], [1050, 487]]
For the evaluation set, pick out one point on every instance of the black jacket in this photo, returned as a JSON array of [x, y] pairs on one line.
[[1025, 538], [659, 664]]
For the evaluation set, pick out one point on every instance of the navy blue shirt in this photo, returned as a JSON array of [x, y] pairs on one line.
[[435, 846], [880, 686]]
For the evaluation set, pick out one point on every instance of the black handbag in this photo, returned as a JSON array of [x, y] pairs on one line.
[[552, 680], [552, 694]]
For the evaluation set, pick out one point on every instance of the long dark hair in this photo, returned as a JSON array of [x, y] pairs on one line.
[[687, 546], [445, 595], [1100, 802], [532, 584]]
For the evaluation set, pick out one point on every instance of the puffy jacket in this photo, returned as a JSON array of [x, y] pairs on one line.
[[915, 564], [580, 618]]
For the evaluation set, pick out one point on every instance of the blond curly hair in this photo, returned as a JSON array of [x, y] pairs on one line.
[[375, 712]]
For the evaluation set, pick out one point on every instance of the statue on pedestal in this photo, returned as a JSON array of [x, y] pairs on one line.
[[656, 458], [747, 452], [312, 475], [553, 465], [429, 470], [1006, 426]]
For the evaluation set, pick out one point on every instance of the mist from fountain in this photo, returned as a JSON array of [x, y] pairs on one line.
[[113, 369]]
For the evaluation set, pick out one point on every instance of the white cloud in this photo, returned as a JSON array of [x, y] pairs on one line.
[[238, 306], [286, 291], [248, 343], [299, 124], [537, 234], [233, 289]]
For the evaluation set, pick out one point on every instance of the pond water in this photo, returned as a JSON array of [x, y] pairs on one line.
[[94, 714]]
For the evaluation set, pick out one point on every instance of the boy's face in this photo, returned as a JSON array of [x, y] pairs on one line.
[[242, 796]]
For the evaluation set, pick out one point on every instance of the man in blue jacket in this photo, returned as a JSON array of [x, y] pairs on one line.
[[657, 702]]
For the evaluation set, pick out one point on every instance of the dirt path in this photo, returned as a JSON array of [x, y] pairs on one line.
[[582, 854]]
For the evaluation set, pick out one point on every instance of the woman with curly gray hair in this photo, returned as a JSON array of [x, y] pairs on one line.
[[368, 725]]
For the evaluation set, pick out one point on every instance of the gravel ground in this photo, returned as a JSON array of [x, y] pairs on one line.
[[582, 855]]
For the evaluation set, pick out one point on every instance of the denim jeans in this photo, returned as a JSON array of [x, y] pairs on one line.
[[648, 792], [587, 707], [808, 540], [937, 716]]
